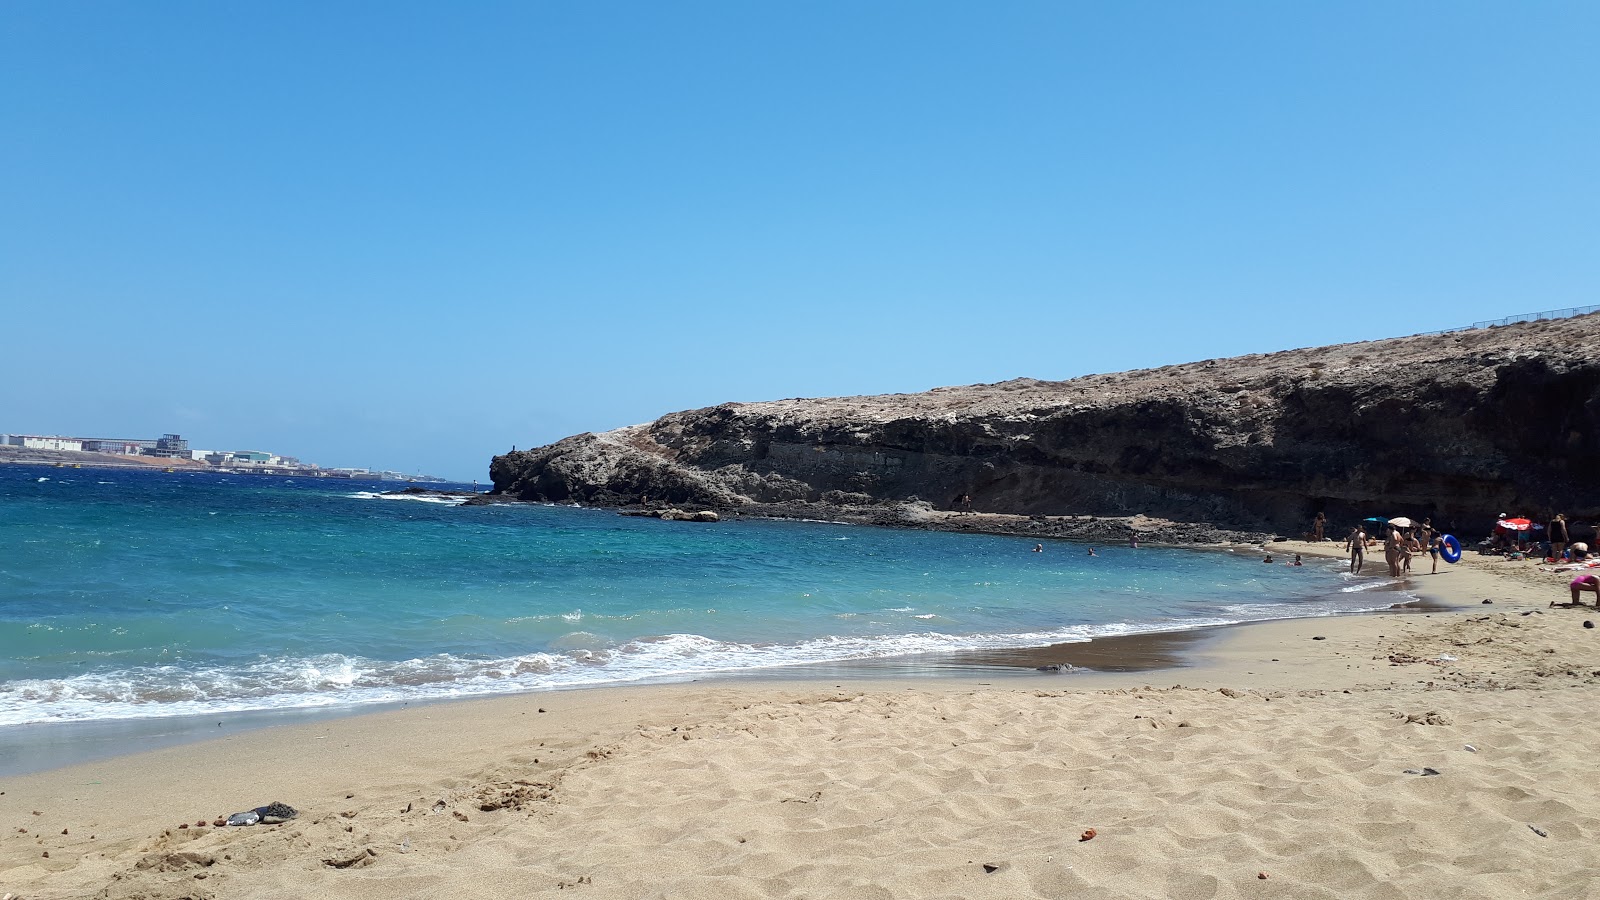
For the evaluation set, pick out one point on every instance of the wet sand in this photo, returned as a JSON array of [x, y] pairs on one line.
[[1299, 750]]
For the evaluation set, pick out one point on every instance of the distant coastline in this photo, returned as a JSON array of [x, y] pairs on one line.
[[83, 459]]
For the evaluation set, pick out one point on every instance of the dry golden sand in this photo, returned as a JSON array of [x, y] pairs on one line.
[[1279, 755]]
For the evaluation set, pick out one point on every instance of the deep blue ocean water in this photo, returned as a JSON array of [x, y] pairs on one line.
[[130, 594]]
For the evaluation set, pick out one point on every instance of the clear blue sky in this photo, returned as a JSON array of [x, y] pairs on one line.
[[411, 235]]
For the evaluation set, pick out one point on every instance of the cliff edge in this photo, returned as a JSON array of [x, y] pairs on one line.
[[1456, 427]]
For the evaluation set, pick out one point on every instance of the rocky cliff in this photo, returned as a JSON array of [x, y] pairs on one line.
[[1456, 427]]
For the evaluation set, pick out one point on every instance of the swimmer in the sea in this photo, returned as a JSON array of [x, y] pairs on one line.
[[1091, 551], [1038, 548]]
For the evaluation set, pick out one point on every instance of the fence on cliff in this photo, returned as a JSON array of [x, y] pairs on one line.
[[1567, 313]]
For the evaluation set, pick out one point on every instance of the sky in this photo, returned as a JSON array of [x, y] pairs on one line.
[[414, 235]]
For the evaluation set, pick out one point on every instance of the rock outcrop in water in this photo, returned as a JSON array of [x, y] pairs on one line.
[[1456, 427]]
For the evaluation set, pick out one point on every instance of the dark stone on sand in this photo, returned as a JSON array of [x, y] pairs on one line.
[[276, 813], [1488, 601], [1588, 624], [988, 868], [1319, 638]]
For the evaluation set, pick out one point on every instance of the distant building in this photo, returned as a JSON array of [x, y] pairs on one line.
[[170, 446], [122, 446], [44, 442]]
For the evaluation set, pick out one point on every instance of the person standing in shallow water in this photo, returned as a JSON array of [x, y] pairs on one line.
[[1356, 543]]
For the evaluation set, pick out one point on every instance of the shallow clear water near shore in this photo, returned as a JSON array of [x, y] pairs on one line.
[[146, 594]]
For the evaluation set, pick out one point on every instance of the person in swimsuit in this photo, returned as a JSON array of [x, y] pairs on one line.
[[1557, 532], [1433, 551], [1356, 543], [1584, 583]]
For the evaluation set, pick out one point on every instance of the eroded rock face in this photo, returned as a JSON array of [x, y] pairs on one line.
[[1455, 427]]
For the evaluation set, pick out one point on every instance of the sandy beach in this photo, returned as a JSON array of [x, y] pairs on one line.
[[1432, 754]]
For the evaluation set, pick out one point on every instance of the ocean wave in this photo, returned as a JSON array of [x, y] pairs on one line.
[[421, 498], [579, 660]]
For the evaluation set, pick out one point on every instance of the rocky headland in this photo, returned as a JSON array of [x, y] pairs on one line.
[[1455, 427]]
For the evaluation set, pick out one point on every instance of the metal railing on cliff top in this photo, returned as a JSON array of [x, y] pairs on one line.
[[1523, 317]]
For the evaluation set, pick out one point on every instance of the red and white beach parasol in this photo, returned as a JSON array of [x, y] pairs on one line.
[[1514, 524]]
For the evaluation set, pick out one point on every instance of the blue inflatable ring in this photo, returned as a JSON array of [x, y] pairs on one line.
[[1450, 549]]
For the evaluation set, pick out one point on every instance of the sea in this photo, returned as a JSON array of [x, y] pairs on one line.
[[134, 594]]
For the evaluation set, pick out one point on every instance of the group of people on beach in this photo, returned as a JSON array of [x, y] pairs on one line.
[[1399, 546]]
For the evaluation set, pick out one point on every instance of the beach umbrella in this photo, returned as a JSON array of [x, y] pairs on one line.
[[1377, 520], [1400, 522], [1514, 524]]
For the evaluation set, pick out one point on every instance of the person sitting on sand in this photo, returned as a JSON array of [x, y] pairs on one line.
[[1584, 583]]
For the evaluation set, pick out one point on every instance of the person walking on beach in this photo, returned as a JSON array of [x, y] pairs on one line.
[[1434, 546], [1356, 543], [1317, 526], [1391, 551]]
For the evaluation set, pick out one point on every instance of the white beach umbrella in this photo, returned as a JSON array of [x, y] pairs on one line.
[[1400, 522]]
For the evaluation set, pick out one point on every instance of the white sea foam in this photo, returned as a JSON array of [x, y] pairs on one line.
[[582, 660], [421, 498]]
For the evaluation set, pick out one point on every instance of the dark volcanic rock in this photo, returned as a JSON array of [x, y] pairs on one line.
[[1456, 427]]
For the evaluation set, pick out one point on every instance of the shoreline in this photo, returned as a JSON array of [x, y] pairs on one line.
[[1282, 748], [42, 746]]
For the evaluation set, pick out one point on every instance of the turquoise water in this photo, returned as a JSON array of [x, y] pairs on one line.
[[128, 594]]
